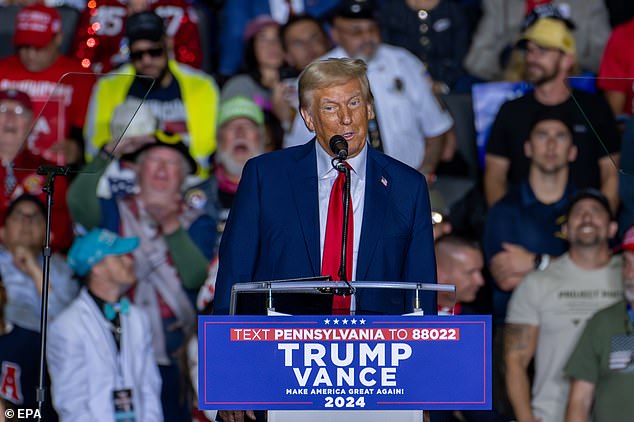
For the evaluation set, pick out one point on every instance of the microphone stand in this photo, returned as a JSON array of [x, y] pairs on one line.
[[341, 166], [49, 187]]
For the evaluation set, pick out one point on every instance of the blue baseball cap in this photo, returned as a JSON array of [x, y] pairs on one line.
[[93, 247]]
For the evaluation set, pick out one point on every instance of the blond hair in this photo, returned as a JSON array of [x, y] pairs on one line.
[[332, 72]]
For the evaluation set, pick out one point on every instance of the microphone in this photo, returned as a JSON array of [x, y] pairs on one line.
[[339, 147]]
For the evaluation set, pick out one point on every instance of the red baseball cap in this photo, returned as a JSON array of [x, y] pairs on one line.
[[256, 25], [36, 26], [15, 95]]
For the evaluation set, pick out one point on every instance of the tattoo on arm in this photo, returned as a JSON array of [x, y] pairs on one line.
[[516, 337]]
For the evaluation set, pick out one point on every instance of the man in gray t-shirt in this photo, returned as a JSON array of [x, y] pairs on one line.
[[548, 310]]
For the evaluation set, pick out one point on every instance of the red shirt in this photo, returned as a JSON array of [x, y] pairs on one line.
[[531, 4], [99, 42], [618, 62], [66, 107], [28, 181]]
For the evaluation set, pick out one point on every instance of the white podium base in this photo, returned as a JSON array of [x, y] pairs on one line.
[[345, 416]]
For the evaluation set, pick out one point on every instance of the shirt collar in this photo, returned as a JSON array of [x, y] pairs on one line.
[[325, 169], [529, 198]]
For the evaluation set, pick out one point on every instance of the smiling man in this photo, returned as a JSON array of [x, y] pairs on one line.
[[549, 309], [176, 243]]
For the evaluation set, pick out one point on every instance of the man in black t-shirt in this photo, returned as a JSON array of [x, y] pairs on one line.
[[549, 59]]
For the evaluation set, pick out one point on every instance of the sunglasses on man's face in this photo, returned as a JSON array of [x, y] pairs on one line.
[[153, 52]]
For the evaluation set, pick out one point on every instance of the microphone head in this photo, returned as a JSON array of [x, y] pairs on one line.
[[339, 146]]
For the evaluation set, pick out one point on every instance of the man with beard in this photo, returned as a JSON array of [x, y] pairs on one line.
[[241, 134], [601, 367], [240, 137], [409, 124], [549, 308], [549, 51], [183, 99]]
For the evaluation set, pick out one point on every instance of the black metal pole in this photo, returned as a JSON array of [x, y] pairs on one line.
[[49, 189]]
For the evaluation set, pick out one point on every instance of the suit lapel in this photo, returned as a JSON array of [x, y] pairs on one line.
[[303, 177], [377, 189]]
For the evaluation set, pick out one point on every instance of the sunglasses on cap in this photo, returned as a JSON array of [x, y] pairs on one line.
[[153, 52]]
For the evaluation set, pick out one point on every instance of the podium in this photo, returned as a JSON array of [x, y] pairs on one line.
[[351, 368], [318, 294]]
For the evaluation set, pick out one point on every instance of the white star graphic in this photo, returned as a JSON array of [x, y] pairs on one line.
[[326, 321], [335, 321], [362, 321], [345, 321], [354, 321]]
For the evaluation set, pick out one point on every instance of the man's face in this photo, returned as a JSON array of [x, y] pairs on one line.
[[304, 43], [339, 110], [39, 59], [149, 58], [360, 38], [550, 146], [161, 171], [628, 275], [119, 269], [25, 226], [239, 140], [588, 224], [465, 272], [542, 64], [15, 121]]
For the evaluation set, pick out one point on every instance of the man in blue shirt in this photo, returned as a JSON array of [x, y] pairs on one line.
[[521, 232], [521, 229]]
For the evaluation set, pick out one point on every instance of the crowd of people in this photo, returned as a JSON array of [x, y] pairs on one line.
[[155, 107]]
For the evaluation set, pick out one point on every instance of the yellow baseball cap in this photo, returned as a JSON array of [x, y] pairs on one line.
[[549, 33]]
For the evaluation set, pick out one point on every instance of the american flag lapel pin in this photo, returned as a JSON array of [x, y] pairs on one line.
[[384, 181]]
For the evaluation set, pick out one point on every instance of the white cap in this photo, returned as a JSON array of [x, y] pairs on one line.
[[143, 122]]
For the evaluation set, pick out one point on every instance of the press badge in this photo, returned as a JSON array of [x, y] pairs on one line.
[[622, 354], [123, 407]]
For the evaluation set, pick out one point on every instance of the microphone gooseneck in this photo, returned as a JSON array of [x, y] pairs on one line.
[[339, 147]]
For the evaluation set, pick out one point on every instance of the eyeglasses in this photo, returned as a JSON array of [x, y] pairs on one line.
[[23, 217], [17, 110], [152, 52]]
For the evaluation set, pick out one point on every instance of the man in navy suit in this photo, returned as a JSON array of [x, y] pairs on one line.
[[277, 225]]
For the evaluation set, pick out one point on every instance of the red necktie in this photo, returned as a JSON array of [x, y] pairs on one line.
[[332, 244]]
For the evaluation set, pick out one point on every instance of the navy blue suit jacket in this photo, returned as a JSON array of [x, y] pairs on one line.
[[273, 229]]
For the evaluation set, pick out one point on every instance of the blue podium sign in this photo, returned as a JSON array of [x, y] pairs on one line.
[[344, 362]]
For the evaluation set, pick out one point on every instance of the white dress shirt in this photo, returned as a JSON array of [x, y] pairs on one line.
[[326, 176]]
